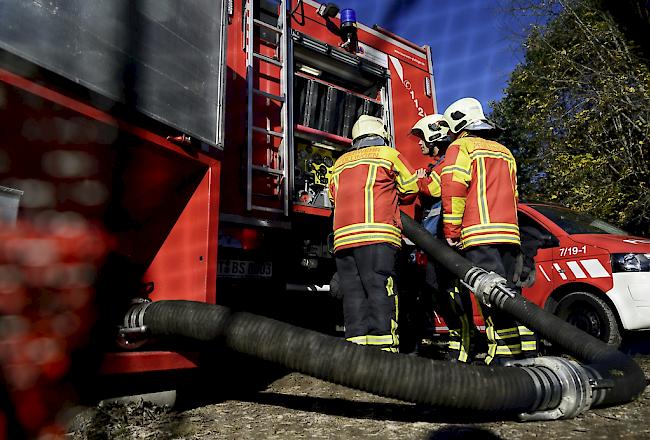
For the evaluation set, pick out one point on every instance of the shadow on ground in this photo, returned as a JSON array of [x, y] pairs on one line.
[[386, 411], [462, 433], [636, 343]]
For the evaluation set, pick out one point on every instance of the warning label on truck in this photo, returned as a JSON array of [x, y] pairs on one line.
[[244, 269]]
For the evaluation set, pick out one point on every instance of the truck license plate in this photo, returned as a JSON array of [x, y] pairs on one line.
[[245, 269]]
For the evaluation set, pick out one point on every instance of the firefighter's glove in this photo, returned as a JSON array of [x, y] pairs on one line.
[[519, 266], [335, 291], [524, 271], [528, 275]]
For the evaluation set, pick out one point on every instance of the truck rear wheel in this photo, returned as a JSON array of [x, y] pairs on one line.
[[590, 314]]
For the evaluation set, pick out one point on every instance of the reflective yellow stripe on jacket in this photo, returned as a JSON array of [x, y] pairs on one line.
[[365, 187], [479, 193]]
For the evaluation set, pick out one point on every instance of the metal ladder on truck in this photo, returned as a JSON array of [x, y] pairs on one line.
[[274, 167]]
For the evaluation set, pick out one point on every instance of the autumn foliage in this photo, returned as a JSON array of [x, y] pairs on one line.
[[577, 114]]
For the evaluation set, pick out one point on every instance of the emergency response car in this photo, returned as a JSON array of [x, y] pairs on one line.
[[590, 273]]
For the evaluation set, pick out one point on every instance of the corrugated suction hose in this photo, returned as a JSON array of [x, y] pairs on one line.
[[544, 388], [618, 379]]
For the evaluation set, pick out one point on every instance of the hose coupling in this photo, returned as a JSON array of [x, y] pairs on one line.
[[131, 334], [564, 387], [489, 287]]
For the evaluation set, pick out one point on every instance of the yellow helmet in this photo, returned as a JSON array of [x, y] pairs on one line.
[[467, 114], [369, 125], [429, 128]]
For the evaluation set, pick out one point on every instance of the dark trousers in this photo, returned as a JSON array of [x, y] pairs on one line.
[[455, 307], [507, 339], [370, 304]]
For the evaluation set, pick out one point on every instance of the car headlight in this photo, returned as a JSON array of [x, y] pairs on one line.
[[630, 262]]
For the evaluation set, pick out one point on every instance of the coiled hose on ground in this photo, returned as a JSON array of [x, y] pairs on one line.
[[544, 388]]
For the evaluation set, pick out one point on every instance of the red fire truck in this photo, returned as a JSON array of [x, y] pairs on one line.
[[162, 150], [199, 137]]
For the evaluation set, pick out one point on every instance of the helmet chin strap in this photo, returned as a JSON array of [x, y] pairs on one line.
[[441, 144]]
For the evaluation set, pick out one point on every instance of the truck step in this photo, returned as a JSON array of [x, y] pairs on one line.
[[268, 132], [269, 60], [265, 25], [269, 170], [278, 98], [267, 209]]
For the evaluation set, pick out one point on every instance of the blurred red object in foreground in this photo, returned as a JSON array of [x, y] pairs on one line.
[[47, 274]]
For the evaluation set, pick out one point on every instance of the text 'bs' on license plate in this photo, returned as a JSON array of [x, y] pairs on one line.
[[245, 269]]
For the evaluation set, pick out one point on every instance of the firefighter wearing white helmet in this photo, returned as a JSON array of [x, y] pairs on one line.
[[479, 201], [433, 134], [366, 185], [467, 114]]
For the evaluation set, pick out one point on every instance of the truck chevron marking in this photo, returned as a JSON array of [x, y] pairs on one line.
[[595, 268], [575, 268], [407, 84], [560, 271], [541, 269]]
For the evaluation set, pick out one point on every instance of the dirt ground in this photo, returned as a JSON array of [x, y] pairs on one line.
[[294, 406]]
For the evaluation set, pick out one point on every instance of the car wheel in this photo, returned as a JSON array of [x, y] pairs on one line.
[[590, 314]]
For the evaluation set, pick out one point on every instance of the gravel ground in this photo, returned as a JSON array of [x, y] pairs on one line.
[[295, 406]]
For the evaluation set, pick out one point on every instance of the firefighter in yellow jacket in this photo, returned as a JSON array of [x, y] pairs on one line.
[[366, 187], [479, 199]]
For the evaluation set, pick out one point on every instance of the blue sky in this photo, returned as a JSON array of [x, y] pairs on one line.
[[472, 42]]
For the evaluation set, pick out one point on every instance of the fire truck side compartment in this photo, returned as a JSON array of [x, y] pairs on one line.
[[162, 57]]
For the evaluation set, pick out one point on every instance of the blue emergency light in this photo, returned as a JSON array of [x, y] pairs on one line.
[[349, 30], [348, 17]]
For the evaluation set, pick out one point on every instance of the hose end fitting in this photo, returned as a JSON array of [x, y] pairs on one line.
[[564, 387], [489, 287], [131, 335]]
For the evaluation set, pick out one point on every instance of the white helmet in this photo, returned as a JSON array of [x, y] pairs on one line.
[[369, 125], [467, 114], [430, 130]]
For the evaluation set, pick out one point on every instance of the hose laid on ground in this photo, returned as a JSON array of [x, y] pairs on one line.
[[543, 388], [326, 357]]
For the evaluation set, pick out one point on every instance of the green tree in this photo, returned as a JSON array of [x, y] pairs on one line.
[[577, 115]]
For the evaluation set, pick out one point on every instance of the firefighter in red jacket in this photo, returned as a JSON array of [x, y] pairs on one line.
[[454, 307], [366, 187], [479, 198]]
